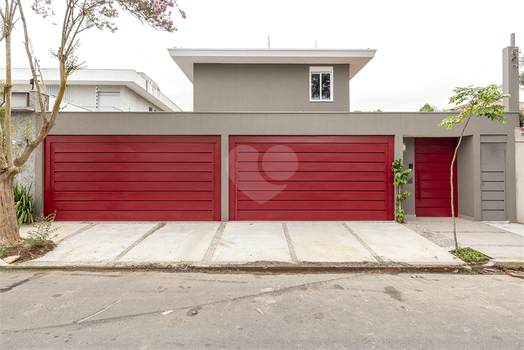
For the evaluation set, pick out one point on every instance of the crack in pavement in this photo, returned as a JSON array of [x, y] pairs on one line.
[[19, 283], [159, 312]]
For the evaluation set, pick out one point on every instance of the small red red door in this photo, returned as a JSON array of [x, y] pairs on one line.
[[112, 178], [433, 158], [311, 178]]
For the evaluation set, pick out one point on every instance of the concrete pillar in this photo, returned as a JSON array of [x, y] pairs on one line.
[[510, 77]]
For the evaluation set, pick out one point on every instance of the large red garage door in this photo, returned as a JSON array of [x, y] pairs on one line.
[[311, 178], [133, 177]]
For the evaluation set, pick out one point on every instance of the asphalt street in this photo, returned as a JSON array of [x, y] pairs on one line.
[[43, 309]]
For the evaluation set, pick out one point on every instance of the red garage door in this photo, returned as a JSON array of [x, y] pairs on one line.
[[432, 171], [311, 178], [133, 177]]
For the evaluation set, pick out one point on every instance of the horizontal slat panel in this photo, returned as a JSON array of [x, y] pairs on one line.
[[150, 167], [437, 193], [493, 196], [283, 166], [493, 186], [310, 195], [313, 176], [312, 205], [494, 215], [140, 215], [133, 205], [441, 175], [493, 205], [434, 202], [436, 185], [313, 148], [424, 167], [434, 158], [119, 157], [314, 157], [125, 147], [132, 196], [305, 215], [313, 186], [134, 177], [133, 186], [143, 157], [435, 212], [493, 176]]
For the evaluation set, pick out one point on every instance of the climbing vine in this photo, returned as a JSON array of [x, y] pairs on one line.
[[401, 178]]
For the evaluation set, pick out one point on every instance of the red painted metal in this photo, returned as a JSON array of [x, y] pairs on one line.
[[336, 178], [432, 187], [168, 178]]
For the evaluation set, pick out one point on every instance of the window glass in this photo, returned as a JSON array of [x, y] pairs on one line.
[[315, 86], [326, 86], [321, 83]]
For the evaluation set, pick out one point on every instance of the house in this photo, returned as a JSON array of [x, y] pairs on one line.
[[95, 90], [271, 138]]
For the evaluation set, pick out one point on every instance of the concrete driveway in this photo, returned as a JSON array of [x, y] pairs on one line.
[[422, 242]]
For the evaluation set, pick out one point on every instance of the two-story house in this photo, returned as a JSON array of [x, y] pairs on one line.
[[271, 138]]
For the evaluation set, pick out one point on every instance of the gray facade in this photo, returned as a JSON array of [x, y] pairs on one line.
[[264, 87], [403, 126]]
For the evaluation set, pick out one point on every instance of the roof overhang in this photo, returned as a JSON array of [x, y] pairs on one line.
[[186, 58]]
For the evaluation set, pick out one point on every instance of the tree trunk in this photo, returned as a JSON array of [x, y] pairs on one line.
[[9, 235]]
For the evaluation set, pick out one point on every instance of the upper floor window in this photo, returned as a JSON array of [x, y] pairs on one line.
[[321, 83]]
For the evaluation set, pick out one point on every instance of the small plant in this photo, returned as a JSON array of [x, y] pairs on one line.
[[43, 230], [24, 204], [470, 255], [4, 250], [401, 178]]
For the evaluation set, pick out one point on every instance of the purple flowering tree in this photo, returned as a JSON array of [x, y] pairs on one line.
[[77, 17]]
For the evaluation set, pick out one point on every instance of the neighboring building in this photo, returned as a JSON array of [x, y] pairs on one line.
[[100, 90], [271, 138]]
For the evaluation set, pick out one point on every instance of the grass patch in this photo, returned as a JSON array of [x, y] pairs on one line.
[[470, 255]]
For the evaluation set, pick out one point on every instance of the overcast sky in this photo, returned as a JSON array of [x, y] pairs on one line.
[[424, 48]]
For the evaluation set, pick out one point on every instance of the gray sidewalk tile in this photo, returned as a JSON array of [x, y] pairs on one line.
[[326, 242], [249, 242], [397, 243], [175, 242]]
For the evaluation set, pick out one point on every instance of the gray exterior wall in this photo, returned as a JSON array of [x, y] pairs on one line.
[[400, 125], [264, 87]]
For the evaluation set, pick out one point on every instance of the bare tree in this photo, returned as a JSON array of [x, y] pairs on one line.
[[78, 16]]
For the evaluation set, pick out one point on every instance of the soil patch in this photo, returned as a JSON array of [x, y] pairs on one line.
[[27, 252]]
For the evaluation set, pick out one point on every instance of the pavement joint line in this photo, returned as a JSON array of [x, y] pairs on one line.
[[364, 244], [214, 243], [140, 240], [93, 224], [290, 246]]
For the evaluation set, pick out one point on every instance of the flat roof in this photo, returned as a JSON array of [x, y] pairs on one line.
[[186, 58]]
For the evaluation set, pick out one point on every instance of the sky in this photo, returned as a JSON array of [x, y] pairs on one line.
[[424, 48]]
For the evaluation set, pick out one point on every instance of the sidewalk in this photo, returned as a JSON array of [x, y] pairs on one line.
[[421, 243]]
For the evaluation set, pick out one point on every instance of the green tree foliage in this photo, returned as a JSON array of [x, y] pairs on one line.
[[428, 108], [77, 16], [401, 178], [480, 103]]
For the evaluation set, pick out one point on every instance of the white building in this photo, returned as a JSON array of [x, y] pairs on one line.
[[95, 90]]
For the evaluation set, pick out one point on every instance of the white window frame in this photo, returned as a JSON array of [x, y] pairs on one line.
[[320, 70]]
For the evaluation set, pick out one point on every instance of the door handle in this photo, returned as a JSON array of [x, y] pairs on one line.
[[417, 185]]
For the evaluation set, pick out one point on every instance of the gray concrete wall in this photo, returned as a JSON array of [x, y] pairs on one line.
[[401, 125], [409, 157], [519, 166], [264, 87], [20, 124], [466, 175]]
